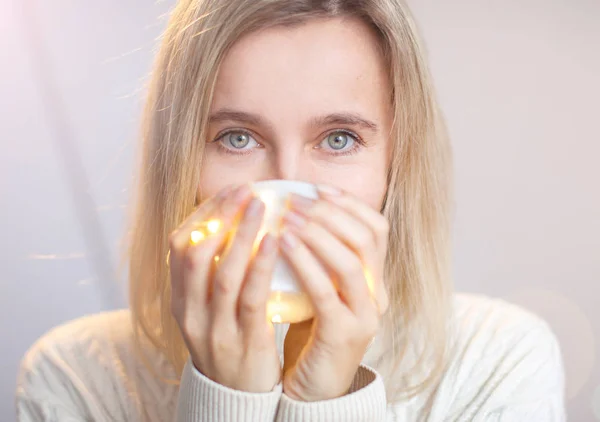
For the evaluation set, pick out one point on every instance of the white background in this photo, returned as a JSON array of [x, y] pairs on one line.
[[519, 81]]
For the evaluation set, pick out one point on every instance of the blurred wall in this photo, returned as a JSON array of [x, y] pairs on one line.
[[518, 81]]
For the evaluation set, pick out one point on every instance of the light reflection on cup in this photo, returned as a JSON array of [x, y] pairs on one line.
[[287, 303], [289, 307]]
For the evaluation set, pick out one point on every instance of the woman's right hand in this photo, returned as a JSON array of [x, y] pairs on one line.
[[221, 306]]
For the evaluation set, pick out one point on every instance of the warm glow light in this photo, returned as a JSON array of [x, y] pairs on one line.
[[196, 236], [259, 237], [213, 226], [287, 307], [217, 258], [268, 197]]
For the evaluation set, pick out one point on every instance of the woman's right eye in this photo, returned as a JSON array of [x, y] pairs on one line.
[[234, 141]]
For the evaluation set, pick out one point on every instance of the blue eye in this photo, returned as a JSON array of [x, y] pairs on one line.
[[241, 142], [342, 142], [237, 141], [339, 140]]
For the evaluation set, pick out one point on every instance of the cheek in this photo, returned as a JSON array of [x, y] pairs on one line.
[[366, 181], [209, 185], [217, 173]]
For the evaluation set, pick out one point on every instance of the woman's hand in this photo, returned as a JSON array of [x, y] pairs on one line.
[[221, 306], [337, 245]]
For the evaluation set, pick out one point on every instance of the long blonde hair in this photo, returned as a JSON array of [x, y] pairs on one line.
[[417, 204]]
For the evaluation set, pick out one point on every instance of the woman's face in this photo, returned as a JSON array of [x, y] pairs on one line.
[[308, 103]]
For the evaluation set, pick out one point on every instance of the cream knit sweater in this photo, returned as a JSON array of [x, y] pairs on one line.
[[506, 366]]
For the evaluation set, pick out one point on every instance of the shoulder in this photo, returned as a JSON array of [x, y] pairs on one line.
[[105, 327], [501, 357], [88, 367], [494, 324], [80, 343]]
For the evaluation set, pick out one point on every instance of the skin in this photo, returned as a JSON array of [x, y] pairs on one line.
[[277, 92]]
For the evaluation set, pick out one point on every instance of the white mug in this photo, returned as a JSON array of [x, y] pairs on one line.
[[287, 303]]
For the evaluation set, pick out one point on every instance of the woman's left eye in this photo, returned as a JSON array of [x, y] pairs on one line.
[[340, 142]]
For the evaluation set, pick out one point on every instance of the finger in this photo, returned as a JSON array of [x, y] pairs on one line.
[[336, 256], [179, 239], [352, 231], [234, 262], [377, 222], [345, 226], [312, 276], [190, 289], [379, 226], [256, 288], [190, 264]]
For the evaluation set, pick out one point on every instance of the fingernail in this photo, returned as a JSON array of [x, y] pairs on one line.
[[289, 241], [224, 192], [294, 219], [268, 244], [301, 203], [329, 190], [254, 208], [241, 193]]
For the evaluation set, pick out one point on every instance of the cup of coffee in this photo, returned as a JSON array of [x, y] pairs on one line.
[[288, 303]]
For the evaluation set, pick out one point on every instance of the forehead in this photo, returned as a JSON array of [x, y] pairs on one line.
[[315, 66]]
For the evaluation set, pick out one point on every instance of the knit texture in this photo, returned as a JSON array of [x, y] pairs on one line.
[[505, 366]]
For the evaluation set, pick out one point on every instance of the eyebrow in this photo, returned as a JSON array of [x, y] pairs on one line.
[[343, 118]]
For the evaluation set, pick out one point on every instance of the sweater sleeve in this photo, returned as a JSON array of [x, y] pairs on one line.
[[365, 402], [201, 399]]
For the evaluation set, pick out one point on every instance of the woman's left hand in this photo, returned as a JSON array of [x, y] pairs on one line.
[[337, 246]]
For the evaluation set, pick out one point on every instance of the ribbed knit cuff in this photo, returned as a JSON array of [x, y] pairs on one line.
[[201, 399], [365, 402]]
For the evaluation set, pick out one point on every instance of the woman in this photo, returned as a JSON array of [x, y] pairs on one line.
[[335, 93]]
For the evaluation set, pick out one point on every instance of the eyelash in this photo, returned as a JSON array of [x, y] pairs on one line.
[[358, 142]]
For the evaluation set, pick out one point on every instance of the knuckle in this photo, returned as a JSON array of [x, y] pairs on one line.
[[189, 326], [223, 279], [222, 286], [193, 257], [173, 238], [251, 305], [174, 247]]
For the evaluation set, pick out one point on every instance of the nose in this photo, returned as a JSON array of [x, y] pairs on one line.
[[289, 163]]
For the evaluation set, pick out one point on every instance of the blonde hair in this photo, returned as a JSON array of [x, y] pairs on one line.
[[417, 204]]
